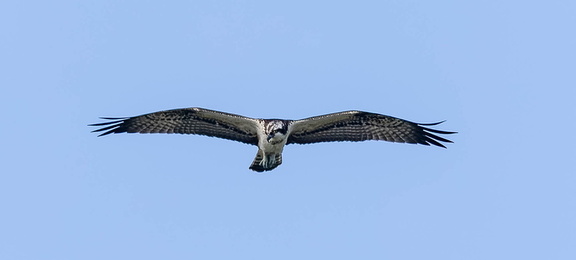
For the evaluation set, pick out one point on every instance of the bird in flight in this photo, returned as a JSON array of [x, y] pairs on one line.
[[271, 135]]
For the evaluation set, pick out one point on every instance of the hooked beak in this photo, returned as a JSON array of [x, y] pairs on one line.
[[270, 136]]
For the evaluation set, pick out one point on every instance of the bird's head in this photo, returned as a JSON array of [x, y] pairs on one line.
[[276, 131]]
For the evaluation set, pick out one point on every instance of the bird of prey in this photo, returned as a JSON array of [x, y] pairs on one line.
[[271, 135]]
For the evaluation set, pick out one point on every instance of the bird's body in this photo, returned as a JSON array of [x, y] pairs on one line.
[[271, 135], [271, 143]]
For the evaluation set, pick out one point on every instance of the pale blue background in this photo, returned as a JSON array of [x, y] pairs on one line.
[[501, 72]]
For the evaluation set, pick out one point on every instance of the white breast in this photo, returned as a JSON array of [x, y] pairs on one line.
[[275, 146]]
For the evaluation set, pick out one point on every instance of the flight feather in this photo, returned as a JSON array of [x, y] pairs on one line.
[[362, 126], [186, 121]]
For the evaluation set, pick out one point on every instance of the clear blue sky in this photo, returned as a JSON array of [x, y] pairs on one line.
[[502, 73]]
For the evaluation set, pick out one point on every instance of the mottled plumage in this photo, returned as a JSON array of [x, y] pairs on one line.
[[271, 135]]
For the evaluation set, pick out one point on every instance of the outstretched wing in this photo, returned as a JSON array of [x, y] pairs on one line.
[[361, 126], [186, 121]]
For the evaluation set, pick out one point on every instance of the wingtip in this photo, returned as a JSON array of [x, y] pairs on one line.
[[111, 126], [437, 123], [114, 118]]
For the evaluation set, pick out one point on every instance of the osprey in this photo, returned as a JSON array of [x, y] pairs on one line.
[[271, 135]]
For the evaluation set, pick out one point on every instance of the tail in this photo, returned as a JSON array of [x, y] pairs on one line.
[[266, 162]]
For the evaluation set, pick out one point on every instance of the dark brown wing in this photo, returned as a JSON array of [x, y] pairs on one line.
[[361, 126], [186, 121]]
